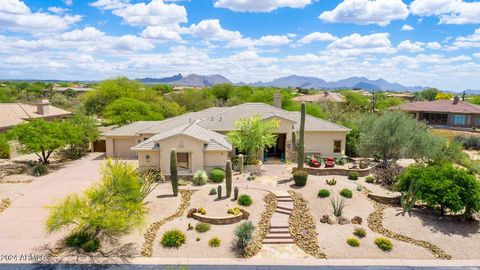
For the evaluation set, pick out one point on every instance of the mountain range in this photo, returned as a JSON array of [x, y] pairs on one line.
[[293, 81]]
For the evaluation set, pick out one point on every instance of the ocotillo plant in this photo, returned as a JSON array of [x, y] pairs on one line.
[[228, 177], [301, 141], [173, 171], [240, 163]]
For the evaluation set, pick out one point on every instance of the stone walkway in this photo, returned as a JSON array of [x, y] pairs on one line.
[[279, 231]]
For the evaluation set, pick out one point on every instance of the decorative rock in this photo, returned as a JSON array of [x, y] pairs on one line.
[[343, 220], [4, 204], [327, 219], [357, 220]]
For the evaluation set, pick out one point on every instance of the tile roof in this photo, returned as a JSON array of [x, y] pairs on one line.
[[445, 106], [12, 114], [213, 140]]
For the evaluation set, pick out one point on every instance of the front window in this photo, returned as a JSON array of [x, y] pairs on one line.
[[461, 120], [337, 146], [183, 161]]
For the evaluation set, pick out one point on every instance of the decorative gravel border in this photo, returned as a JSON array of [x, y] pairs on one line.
[[151, 234], [263, 226], [16, 181], [375, 223], [4, 204], [302, 227]]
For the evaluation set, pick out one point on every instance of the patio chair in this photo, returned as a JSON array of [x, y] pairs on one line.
[[329, 162], [314, 163]]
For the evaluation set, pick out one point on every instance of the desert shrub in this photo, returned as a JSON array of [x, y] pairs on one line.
[[39, 169], [173, 238], [184, 182], [245, 200], [82, 240], [370, 179], [4, 147], [470, 142], [202, 211], [353, 242], [347, 193], [340, 161], [234, 211], [197, 239], [387, 176], [202, 227], [353, 176], [338, 204], [323, 193], [213, 191], [300, 177], [359, 187], [383, 243], [200, 178], [217, 175], [244, 233], [331, 182], [359, 232], [214, 242]]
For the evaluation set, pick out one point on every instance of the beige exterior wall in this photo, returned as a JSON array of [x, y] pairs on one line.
[[119, 146], [285, 126], [322, 142], [215, 159]]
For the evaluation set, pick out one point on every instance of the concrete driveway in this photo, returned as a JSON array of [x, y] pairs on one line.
[[22, 225]]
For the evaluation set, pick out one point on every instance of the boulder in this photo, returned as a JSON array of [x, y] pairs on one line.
[[327, 219], [343, 220], [357, 220]]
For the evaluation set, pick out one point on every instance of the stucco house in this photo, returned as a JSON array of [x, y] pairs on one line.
[[200, 141]]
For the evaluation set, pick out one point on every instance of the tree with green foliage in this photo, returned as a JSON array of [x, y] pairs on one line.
[[222, 91], [428, 94], [352, 144], [193, 100], [312, 109], [388, 102], [79, 131], [111, 207], [395, 135], [39, 137], [251, 135], [128, 110], [355, 100], [445, 96], [446, 187]]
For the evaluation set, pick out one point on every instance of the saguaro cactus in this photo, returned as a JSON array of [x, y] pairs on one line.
[[174, 171], [408, 199], [294, 139], [228, 177], [240, 163], [219, 191], [301, 141], [235, 193]]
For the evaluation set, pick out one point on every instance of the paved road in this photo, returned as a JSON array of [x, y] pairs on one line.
[[22, 225]]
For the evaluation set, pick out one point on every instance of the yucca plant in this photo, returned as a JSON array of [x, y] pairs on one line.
[[338, 204]]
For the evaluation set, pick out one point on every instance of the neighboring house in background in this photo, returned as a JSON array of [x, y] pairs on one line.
[[449, 113], [12, 114], [200, 141], [321, 97], [64, 90]]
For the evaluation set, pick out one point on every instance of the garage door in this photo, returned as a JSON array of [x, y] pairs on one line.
[[121, 148]]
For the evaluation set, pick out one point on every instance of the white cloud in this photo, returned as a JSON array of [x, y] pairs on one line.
[[448, 11], [471, 41], [317, 36], [476, 55], [367, 12], [433, 45], [409, 46], [211, 29], [68, 2], [109, 4], [356, 44], [15, 15], [86, 34], [264, 41], [155, 13], [58, 10], [260, 5], [407, 27], [162, 33]]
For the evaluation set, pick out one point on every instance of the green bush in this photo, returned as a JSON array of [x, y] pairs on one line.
[[244, 233], [82, 240], [353, 176], [370, 179], [197, 239], [213, 191], [353, 242], [202, 227], [4, 147], [359, 232], [91, 245], [245, 200], [173, 238], [217, 175], [347, 193], [323, 193], [200, 178], [39, 169], [383, 243], [214, 242], [300, 178]]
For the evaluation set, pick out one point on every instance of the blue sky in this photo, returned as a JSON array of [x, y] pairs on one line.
[[416, 42]]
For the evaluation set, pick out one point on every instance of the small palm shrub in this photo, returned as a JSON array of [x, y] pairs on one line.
[[82, 240], [300, 178], [338, 204], [384, 244], [359, 232], [370, 179], [353, 176], [244, 233], [353, 242], [331, 182], [202, 227], [245, 200], [173, 238], [214, 242], [323, 193], [217, 175], [347, 193], [200, 178]]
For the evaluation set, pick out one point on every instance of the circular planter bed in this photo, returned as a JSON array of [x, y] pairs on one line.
[[231, 219]]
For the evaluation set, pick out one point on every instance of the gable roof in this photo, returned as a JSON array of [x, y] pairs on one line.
[[12, 114], [445, 106], [212, 140]]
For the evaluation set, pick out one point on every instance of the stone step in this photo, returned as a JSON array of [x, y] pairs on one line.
[[278, 236], [278, 241], [285, 200], [279, 231], [283, 212], [279, 227], [285, 208], [283, 196]]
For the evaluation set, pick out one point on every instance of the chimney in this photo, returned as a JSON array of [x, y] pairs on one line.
[[325, 94], [456, 99], [277, 100], [43, 107]]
